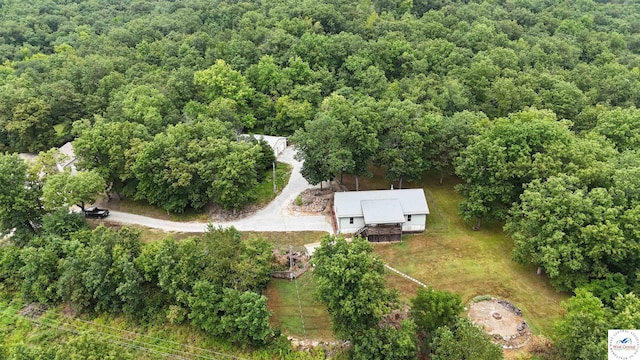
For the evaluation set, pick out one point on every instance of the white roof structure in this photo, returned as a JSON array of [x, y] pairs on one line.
[[27, 157], [380, 206], [70, 156], [382, 211], [271, 140], [277, 143]]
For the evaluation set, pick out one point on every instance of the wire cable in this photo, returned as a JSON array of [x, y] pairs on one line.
[[135, 343]]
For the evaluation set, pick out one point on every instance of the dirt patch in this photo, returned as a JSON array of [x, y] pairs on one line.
[[312, 201], [502, 321], [34, 310], [69, 311], [216, 213]]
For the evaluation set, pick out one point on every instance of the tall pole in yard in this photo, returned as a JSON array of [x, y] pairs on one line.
[[290, 263], [273, 165]]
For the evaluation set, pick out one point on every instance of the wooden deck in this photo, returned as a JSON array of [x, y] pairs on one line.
[[383, 233]]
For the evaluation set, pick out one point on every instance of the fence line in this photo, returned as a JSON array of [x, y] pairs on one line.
[[406, 276]]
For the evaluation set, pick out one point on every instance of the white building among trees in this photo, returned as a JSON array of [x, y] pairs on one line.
[[277, 143], [380, 215]]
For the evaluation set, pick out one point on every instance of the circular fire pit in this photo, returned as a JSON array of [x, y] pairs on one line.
[[502, 321]]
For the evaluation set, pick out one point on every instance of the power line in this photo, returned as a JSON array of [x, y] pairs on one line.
[[162, 350], [164, 340], [126, 342]]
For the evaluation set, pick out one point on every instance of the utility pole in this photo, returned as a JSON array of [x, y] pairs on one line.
[[290, 263], [273, 165]]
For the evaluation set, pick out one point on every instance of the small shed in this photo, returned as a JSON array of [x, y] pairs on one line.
[[277, 143], [380, 215]]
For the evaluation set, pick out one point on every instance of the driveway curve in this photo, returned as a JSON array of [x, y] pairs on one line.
[[274, 217]]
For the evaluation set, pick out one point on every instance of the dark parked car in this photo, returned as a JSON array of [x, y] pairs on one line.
[[95, 212]]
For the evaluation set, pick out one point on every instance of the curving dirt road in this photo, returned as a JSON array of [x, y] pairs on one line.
[[273, 217]]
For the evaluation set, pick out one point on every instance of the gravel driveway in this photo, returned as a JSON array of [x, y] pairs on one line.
[[273, 217]]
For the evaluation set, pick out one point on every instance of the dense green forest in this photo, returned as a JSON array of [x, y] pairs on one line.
[[530, 103]]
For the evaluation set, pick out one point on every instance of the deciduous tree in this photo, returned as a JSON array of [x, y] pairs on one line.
[[447, 340], [510, 153], [351, 285], [66, 189], [106, 146], [20, 205]]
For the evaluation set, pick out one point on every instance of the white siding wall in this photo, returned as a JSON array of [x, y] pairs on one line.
[[280, 146], [417, 223], [345, 227]]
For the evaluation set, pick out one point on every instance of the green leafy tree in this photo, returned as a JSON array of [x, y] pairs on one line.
[[46, 164], [101, 274], [178, 168], [360, 119], [406, 141], [463, 341], [20, 206], [266, 157], [290, 115], [30, 128], [204, 303], [66, 189], [451, 137], [582, 333], [236, 176], [320, 146], [234, 263], [174, 267], [267, 77], [245, 317], [431, 309], [10, 265], [63, 223], [510, 153], [572, 232], [609, 288], [386, 342], [106, 148], [221, 81], [148, 106], [351, 285], [39, 274], [621, 126], [242, 317]]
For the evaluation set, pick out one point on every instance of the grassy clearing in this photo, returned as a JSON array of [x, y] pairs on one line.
[[59, 129], [277, 238], [142, 207], [451, 256], [264, 192], [283, 239], [283, 302]]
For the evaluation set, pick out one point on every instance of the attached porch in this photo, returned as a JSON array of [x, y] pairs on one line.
[[381, 232], [383, 220]]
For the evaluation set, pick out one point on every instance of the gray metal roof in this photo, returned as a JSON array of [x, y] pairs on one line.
[[382, 211], [348, 204]]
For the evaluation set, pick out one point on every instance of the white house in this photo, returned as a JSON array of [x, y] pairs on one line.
[[369, 212], [277, 143], [68, 159]]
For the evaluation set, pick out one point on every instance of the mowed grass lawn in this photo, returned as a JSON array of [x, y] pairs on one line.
[[306, 319], [451, 256]]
